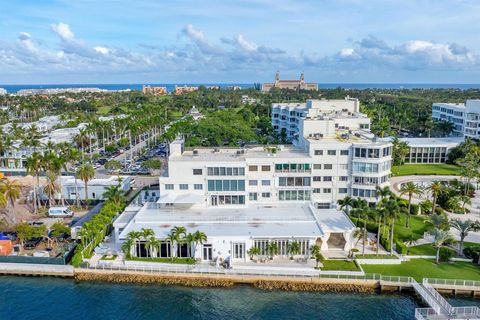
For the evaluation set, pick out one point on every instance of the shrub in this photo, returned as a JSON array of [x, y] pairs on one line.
[[400, 247], [414, 209], [320, 257], [439, 211], [446, 254], [384, 241], [77, 258], [472, 253]]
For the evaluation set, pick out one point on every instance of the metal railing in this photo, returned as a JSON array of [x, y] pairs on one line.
[[438, 297], [466, 312], [397, 279], [425, 313], [192, 269], [427, 297], [452, 283]]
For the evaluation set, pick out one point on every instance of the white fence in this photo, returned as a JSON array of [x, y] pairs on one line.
[[467, 284], [379, 261], [438, 297]]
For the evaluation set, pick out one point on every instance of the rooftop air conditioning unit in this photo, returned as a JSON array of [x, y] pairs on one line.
[[216, 150], [195, 152]]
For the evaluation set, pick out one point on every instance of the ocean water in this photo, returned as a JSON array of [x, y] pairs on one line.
[[170, 86], [54, 298]]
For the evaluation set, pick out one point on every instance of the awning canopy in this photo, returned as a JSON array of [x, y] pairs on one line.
[[182, 198]]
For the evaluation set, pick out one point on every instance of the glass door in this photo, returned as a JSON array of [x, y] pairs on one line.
[[239, 251], [207, 252]]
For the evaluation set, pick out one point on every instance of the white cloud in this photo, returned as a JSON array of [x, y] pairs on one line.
[[229, 55], [63, 31]]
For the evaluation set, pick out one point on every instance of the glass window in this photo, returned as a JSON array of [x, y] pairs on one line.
[[327, 190], [252, 196], [252, 168], [317, 166], [211, 185], [327, 178], [252, 182], [344, 152], [332, 152], [197, 172], [319, 152], [218, 185], [327, 166], [198, 186], [342, 190], [183, 186], [241, 185], [168, 186], [265, 182], [226, 185], [265, 168], [265, 194]]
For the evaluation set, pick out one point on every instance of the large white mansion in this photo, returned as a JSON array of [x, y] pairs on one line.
[[244, 197]]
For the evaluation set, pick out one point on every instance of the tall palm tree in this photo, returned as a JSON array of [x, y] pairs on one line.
[[392, 211], [127, 247], [441, 239], [153, 245], [172, 238], [463, 227], [189, 239], [51, 187], [379, 216], [86, 172], [294, 248], [11, 192], [199, 238], [410, 189], [33, 166], [435, 188], [383, 192], [346, 203], [114, 194]]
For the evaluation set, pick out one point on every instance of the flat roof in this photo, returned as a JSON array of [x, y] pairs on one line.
[[413, 142], [258, 220]]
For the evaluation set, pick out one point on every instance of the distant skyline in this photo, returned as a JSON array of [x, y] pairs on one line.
[[187, 41]]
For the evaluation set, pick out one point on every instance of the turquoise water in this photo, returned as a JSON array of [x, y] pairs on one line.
[[51, 298]]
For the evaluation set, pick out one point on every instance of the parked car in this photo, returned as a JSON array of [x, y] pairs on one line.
[[60, 212], [32, 243]]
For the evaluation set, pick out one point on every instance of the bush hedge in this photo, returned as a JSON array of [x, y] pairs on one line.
[[446, 254], [384, 241], [472, 253], [400, 247]]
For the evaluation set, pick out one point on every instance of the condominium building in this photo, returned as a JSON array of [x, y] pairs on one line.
[[183, 89], [253, 196], [156, 91], [248, 100], [465, 117], [289, 84]]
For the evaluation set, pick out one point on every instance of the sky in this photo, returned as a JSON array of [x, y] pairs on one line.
[[232, 41]]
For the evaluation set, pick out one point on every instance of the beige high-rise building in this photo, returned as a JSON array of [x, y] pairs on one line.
[[156, 91]]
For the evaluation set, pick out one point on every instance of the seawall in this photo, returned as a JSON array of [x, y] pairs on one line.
[[261, 282]]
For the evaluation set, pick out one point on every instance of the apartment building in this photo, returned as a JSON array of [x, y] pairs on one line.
[[156, 91], [250, 197], [183, 89], [465, 117]]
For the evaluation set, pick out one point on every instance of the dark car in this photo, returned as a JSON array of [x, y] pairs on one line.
[[32, 243]]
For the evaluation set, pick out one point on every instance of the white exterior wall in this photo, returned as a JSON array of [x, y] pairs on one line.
[[465, 117]]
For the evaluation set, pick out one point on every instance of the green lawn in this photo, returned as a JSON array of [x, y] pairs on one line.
[[339, 265], [424, 268], [374, 256], [417, 227], [426, 169], [422, 250], [104, 110], [165, 260]]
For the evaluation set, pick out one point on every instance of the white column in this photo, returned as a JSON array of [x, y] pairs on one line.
[[325, 238]]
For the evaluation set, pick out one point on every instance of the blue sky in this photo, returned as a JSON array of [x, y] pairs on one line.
[[120, 41]]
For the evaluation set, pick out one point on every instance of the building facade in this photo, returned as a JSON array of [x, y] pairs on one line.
[[465, 117], [289, 84], [184, 89], [156, 91], [253, 197], [430, 150]]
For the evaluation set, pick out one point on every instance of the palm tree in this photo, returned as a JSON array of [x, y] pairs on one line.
[[114, 194], [272, 249], [189, 239], [435, 188], [465, 199], [253, 251], [172, 238], [437, 220], [11, 191], [51, 187], [392, 210], [410, 189], [294, 248], [127, 247], [135, 236], [86, 172], [315, 252], [33, 166], [383, 192], [145, 234], [441, 239], [379, 216], [199, 238], [464, 227], [346, 203]]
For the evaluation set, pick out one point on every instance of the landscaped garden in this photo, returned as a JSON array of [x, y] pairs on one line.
[[165, 260], [427, 268], [339, 265], [441, 169]]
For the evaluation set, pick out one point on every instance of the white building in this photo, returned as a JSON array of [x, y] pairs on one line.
[[244, 197], [96, 187], [248, 100], [465, 117], [3, 91], [430, 150]]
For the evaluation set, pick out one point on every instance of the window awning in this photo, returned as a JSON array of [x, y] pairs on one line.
[[182, 198]]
